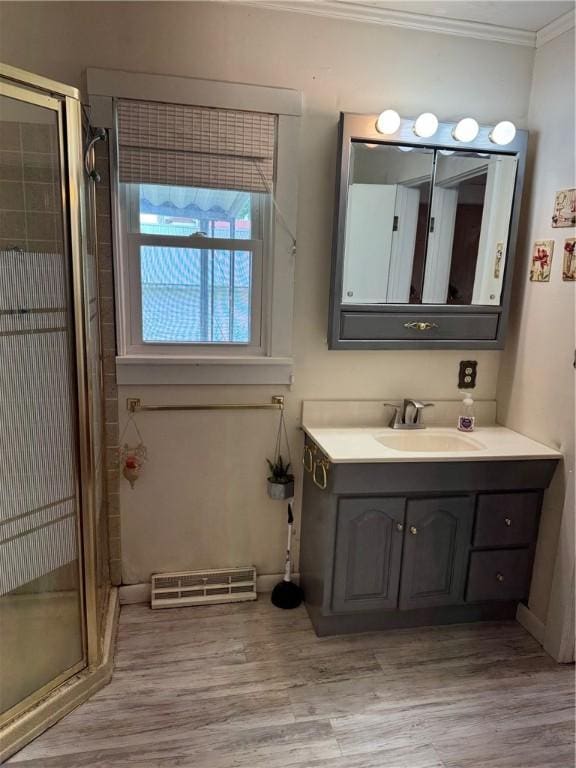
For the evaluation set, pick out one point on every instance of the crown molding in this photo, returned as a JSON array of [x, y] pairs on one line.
[[555, 28], [354, 11]]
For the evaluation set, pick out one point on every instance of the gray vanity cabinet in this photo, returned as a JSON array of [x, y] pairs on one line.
[[368, 553], [405, 544], [436, 543]]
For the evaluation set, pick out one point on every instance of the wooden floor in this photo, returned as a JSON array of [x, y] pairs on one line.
[[251, 686]]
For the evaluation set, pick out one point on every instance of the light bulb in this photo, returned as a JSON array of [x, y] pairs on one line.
[[388, 121], [446, 151], [426, 125], [466, 130], [503, 133], [405, 149]]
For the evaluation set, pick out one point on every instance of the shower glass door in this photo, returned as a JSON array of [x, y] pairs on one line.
[[41, 593]]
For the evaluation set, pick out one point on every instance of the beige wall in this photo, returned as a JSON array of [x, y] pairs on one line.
[[201, 501], [536, 387]]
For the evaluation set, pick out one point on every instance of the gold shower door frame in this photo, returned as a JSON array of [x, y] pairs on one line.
[[64, 100]]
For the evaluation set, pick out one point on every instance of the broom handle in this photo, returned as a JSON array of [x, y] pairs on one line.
[[288, 564]]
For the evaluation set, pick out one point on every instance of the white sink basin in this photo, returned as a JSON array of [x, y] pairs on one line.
[[427, 442]]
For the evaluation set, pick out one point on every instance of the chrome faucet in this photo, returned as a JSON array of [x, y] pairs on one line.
[[408, 415]]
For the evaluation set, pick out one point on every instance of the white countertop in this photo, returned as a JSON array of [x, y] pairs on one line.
[[360, 445]]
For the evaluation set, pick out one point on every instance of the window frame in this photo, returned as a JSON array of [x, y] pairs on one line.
[[259, 247], [275, 364]]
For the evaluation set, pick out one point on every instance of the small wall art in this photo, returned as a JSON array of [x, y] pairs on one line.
[[541, 261], [569, 263], [564, 208]]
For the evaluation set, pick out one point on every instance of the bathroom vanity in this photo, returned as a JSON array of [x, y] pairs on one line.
[[407, 529]]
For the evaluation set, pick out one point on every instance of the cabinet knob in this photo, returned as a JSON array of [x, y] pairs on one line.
[[399, 527], [499, 577], [413, 530], [507, 521]]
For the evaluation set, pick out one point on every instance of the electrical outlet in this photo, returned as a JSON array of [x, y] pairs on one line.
[[467, 374]]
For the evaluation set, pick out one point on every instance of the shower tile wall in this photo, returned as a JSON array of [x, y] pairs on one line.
[[29, 204], [108, 332]]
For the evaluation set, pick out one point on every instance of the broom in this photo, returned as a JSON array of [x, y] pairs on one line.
[[286, 594]]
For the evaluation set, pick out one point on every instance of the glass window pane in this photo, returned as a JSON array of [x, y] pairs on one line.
[[184, 211], [193, 295]]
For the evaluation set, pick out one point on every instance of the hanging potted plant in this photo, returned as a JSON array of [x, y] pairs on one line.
[[280, 480]]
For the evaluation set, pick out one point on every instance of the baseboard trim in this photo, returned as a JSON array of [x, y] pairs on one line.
[[131, 594], [531, 622], [16, 734]]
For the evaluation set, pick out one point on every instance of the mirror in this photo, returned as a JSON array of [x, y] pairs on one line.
[[426, 225], [386, 223], [468, 230]]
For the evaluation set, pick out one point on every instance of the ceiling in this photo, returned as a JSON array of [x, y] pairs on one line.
[[520, 22], [530, 16]]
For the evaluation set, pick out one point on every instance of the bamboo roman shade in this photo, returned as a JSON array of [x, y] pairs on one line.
[[183, 145]]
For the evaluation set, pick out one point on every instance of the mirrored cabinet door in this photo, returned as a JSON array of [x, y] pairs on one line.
[[468, 228], [387, 216]]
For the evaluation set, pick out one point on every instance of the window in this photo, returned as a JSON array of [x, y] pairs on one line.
[[196, 184], [204, 214], [196, 259]]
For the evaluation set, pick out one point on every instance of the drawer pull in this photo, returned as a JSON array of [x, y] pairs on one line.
[[413, 530], [399, 527], [420, 326], [507, 521], [499, 577]]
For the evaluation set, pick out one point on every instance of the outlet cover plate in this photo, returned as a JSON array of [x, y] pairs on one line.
[[467, 374]]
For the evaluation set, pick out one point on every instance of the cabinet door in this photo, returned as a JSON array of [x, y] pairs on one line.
[[368, 553], [436, 545]]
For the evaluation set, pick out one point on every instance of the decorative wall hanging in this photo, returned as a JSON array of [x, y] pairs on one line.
[[541, 261], [569, 263], [132, 457], [564, 208]]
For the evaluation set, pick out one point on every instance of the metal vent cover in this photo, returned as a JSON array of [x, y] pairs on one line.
[[220, 585]]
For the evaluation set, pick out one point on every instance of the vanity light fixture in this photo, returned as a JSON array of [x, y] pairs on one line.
[[466, 130], [503, 133], [426, 125], [388, 121]]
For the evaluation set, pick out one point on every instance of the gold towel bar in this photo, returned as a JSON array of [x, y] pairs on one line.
[[134, 405]]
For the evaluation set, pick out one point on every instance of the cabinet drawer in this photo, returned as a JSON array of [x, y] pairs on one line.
[[499, 575], [506, 519], [372, 325]]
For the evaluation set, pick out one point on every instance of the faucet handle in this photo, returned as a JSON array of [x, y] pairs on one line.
[[418, 404], [397, 418]]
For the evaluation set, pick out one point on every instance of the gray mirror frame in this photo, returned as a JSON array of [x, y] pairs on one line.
[[468, 327]]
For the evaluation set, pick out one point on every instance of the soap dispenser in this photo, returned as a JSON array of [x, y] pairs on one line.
[[466, 420]]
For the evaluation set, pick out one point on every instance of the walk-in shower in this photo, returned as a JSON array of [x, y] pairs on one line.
[[53, 589]]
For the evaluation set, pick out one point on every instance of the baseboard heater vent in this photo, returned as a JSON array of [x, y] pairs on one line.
[[221, 585]]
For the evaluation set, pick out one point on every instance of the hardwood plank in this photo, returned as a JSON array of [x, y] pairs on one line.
[[274, 747], [541, 747]]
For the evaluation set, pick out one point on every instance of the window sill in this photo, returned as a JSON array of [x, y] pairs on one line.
[[141, 369]]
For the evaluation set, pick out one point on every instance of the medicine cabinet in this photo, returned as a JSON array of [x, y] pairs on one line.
[[424, 238]]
